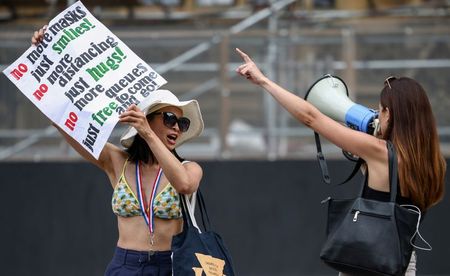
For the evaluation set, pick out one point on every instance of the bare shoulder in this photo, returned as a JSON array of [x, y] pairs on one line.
[[378, 150], [377, 155]]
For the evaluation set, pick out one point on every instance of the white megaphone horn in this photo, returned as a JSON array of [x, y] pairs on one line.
[[329, 94]]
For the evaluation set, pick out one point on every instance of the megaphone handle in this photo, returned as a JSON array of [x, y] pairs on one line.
[[358, 165], [324, 167], [321, 159]]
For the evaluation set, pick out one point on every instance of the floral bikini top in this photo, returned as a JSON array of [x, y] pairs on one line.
[[125, 203]]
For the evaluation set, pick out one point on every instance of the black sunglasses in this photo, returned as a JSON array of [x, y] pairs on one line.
[[170, 119]]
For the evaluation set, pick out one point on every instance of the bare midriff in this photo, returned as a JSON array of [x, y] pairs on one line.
[[134, 233]]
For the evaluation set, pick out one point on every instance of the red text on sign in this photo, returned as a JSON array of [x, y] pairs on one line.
[[18, 72], [70, 123], [39, 93]]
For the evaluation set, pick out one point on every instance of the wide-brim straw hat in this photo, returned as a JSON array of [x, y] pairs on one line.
[[159, 99]]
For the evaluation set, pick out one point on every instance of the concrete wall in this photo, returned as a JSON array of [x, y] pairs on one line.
[[56, 218]]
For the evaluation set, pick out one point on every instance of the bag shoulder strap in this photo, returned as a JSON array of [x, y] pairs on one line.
[[393, 173], [203, 213], [188, 210], [393, 170]]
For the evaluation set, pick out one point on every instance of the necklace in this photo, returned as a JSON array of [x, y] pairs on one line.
[[147, 207]]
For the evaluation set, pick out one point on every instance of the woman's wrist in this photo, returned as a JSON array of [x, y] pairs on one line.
[[150, 137], [264, 82]]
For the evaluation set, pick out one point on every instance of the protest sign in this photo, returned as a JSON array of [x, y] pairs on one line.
[[81, 76]]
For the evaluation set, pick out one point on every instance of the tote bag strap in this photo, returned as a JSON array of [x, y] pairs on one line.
[[393, 170], [191, 202], [188, 210], [189, 205], [186, 216], [393, 173], [203, 213]]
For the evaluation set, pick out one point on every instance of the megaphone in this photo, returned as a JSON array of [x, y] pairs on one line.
[[329, 94]]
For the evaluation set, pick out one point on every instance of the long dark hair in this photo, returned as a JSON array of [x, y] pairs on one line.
[[140, 151], [412, 129]]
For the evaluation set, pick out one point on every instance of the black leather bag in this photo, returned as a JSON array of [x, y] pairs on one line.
[[369, 237], [196, 252]]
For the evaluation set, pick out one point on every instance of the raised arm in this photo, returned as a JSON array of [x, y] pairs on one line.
[[107, 155], [185, 178], [359, 143], [111, 156]]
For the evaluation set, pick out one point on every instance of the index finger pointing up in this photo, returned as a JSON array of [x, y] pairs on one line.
[[244, 56]]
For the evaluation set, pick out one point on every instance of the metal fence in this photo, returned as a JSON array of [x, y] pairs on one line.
[[292, 46]]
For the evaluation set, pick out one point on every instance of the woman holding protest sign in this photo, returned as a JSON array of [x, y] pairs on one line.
[[148, 178], [406, 120]]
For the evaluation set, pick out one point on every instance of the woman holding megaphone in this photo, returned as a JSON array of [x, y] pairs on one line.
[[405, 119]]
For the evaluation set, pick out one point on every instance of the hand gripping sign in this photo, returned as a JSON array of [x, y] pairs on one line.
[[82, 77]]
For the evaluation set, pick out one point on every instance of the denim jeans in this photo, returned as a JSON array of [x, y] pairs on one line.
[[138, 263]]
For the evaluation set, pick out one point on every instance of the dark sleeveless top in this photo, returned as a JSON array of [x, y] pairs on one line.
[[370, 193]]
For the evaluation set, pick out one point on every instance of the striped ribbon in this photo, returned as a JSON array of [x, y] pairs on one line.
[[147, 211]]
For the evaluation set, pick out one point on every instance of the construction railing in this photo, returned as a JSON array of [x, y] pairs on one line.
[[292, 47]]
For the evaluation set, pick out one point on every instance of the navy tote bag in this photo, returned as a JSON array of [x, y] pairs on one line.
[[196, 252]]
